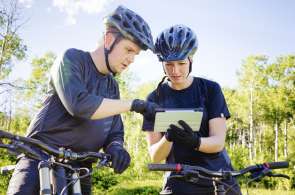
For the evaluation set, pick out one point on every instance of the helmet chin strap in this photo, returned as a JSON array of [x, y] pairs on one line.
[[108, 51], [190, 66], [106, 56]]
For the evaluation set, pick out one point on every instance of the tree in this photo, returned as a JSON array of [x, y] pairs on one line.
[[37, 83], [280, 107], [251, 79], [11, 45]]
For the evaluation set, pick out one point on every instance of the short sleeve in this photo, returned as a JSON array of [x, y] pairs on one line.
[[216, 106], [148, 125], [68, 83]]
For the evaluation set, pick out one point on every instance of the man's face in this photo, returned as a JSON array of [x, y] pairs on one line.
[[123, 55]]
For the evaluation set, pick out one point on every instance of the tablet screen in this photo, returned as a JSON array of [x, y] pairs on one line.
[[163, 119]]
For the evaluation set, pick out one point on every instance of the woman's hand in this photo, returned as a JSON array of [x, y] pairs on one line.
[[183, 135]]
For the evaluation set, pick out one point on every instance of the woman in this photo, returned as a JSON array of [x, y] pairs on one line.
[[175, 48]]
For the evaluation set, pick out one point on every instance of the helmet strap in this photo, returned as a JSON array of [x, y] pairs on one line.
[[158, 89], [190, 66], [108, 51], [163, 68], [106, 56]]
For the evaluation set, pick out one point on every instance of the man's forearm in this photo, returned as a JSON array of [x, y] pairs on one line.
[[111, 107]]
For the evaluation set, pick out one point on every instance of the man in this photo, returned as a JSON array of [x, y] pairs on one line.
[[82, 109]]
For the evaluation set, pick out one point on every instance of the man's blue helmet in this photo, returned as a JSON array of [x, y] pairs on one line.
[[176, 43], [131, 26]]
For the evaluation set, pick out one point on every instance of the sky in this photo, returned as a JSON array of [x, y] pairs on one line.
[[228, 31]]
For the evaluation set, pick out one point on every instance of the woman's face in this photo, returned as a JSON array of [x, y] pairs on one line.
[[177, 71]]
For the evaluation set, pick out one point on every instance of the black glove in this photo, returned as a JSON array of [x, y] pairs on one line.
[[120, 157], [147, 109], [184, 135]]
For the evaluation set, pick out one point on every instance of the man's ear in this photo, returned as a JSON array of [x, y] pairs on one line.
[[108, 40]]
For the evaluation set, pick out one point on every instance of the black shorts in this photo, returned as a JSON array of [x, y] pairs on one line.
[[204, 187]]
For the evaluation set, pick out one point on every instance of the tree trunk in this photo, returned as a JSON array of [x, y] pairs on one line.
[[286, 139], [251, 126], [276, 128], [259, 138]]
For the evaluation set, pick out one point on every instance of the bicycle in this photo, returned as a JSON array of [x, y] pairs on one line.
[[54, 169], [193, 173]]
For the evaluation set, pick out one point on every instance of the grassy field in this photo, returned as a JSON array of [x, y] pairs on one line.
[[267, 192], [152, 187]]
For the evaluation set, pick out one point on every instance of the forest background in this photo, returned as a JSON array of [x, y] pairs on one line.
[[262, 107]]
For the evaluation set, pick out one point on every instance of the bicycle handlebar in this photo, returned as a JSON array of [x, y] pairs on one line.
[[56, 152], [219, 174], [277, 165]]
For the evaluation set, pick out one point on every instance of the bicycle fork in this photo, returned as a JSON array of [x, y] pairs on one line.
[[52, 184], [44, 177], [219, 188]]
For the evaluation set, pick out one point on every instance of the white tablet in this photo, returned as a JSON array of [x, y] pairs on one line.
[[165, 117]]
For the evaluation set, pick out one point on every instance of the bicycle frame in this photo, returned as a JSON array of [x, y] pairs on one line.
[[52, 171]]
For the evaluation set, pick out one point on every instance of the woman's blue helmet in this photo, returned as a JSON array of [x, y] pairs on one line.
[[176, 43]]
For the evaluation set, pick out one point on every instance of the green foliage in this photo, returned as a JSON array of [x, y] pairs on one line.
[[273, 98], [147, 190], [237, 155], [6, 159], [38, 81], [103, 179], [12, 46]]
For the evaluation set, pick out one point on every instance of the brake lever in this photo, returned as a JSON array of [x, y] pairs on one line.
[[256, 176], [105, 162], [278, 175], [190, 176]]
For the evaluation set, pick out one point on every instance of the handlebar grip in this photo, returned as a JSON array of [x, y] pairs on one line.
[[165, 167], [277, 165], [5, 134]]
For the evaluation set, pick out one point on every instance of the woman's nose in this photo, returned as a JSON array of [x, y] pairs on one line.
[[174, 69]]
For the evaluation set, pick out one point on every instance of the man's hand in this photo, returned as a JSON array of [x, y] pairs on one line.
[[120, 158], [147, 109], [184, 135]]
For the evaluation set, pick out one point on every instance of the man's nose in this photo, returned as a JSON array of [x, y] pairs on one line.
[[130, 58]]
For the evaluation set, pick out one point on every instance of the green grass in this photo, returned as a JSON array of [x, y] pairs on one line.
[[152, 187], [268, 192]]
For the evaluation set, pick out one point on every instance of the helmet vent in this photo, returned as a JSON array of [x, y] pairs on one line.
[[139, 18], [188, 34], [180, 34], [145, 31], [117, 17], [170, 39], [128, 16], [191, 44], [171, 30], [136, 25], [126, 25]]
